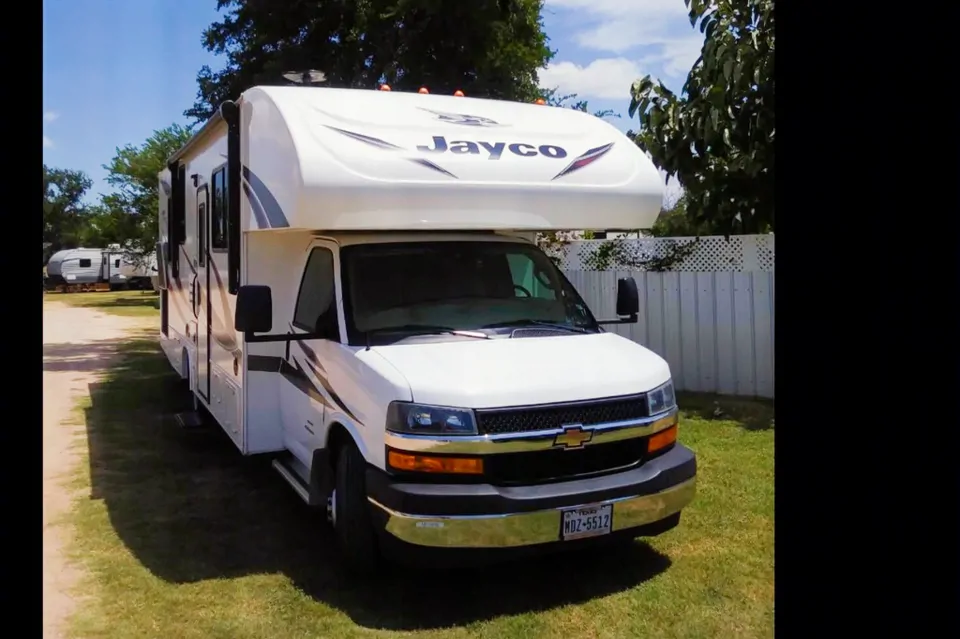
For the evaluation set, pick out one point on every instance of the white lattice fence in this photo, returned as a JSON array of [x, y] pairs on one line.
[[715, 329], [738, 254]]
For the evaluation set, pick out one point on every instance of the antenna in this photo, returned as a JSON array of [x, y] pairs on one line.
[[308, 77]]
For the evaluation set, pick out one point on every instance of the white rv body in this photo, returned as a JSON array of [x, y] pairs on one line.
[[330, 173], [76, 266]]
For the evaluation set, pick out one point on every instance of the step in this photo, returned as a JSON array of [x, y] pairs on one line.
[[294, 472], [190, 420]]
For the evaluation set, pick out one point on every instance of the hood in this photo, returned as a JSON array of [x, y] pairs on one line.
[[479, 373]]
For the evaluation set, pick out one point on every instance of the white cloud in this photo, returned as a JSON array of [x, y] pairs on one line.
[[676, 56], [47, 142], [657, 31], [606, 78], [50, 116]]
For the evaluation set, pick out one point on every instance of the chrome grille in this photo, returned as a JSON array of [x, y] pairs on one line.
[[499, 421]]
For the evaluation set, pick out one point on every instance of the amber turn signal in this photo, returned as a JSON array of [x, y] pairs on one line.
[[428, 464], [661, 440]]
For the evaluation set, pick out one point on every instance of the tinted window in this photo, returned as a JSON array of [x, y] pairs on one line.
[[316, 308], [218, 211], [116, 263], [84, 262], [202, 228]]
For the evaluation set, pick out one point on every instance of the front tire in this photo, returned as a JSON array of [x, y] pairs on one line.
[[353, 527]]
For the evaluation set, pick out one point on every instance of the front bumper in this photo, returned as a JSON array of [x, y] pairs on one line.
[[485, 516]]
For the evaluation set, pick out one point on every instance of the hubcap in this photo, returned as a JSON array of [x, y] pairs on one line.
[[332, 507]]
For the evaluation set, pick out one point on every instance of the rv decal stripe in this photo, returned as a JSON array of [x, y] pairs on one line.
[[387, 146], [333, 394], [271, 207], [380, 144], [264, 363], [300, 381], [431, 165], [586, 159], [256, 207], [220, 331]]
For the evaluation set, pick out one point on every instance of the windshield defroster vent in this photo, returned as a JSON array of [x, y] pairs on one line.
[[537, 332]]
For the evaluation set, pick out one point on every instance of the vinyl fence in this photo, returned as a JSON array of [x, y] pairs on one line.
[[714, 327]]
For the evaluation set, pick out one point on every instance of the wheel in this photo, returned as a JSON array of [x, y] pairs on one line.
[[350, 513]]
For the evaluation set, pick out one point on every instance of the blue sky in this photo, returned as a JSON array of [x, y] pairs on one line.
[[113, 72]]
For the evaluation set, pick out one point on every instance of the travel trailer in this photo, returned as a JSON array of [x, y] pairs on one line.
[[135, 272], [82, 269], [350, 284], [95, 269]]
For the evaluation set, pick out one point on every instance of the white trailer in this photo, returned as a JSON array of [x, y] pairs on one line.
[[349, 283]]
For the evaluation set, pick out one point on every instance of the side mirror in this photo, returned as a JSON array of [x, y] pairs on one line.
[[628, 298], [628, 302], [254, 312]]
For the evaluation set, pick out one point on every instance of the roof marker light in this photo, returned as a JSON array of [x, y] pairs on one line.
[[423, 90], [384, 87], [541, 101], [458, 93]]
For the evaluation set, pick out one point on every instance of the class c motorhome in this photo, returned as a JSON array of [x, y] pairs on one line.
[[350, 284]]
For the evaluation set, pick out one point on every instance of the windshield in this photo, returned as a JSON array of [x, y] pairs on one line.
[[455, 285]]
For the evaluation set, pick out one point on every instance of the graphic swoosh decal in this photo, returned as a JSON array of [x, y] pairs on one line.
[[387, 146], [584, 160]]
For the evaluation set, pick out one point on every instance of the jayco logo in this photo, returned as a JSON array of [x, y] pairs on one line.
[[494, 149]]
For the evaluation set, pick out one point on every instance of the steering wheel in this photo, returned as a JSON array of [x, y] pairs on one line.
[[525, 292]]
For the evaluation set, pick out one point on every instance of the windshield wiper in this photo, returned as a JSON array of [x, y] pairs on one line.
[[424, 329], [532, 322]]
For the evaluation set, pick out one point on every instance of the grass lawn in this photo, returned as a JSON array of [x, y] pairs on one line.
[[126, 303], [183, 537]]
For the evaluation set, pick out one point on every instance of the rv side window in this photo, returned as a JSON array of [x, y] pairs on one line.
[[116, 263], [316, 311], [84, 262], [218, 211], [202, 196]]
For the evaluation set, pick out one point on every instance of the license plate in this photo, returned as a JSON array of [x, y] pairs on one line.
[[590, 521]]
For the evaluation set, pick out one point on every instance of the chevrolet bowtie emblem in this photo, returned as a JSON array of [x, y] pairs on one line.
[[573, 437]]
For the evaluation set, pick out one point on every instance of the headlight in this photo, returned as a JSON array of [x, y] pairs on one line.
[[420, 419], [661, 398]]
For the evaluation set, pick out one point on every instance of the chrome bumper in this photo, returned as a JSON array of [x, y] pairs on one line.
[[527, 529]]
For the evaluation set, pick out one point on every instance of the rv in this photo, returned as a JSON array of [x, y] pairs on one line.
[[350, 284], [95, 269], [135, 272], [82, 269]]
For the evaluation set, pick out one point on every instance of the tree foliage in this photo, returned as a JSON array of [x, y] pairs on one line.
[[552, 98], [488, 48], [717, 137], [129, 215], [676, 221], [63, 208]]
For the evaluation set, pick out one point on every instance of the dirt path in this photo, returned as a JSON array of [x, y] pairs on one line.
[[78, 345]]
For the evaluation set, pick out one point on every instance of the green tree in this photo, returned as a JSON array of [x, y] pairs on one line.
[[717, 136], [488, 48], [129, 215], [551, 97], [63, 208], [675, 221]]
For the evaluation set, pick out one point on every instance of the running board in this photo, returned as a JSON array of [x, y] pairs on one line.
[[296, 482], [189, 420]]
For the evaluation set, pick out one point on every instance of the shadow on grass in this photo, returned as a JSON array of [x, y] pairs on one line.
[[751, 413], [87, 357], [146, 299], [190, 507]]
